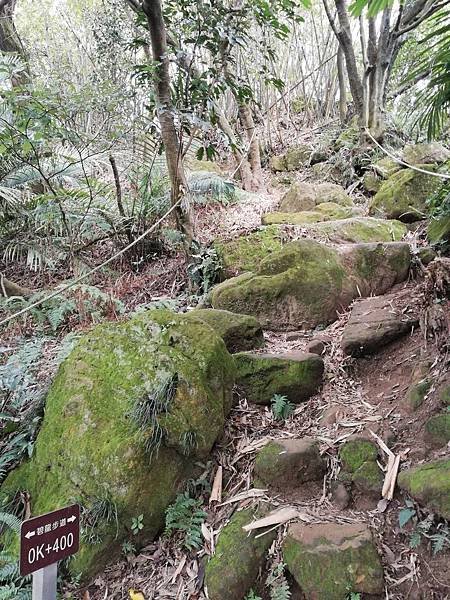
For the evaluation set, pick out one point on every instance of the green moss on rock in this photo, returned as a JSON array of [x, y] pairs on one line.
[[329, 560], [403, 196], [289, 463], [416, 394], [362, 229], [245, 253], [239, 332], [429, 484], [368, 477], [445, 395], [439, 229], [300, 218], [438, 429], [233, 569], [91, 447], [426, 153], [306, 282], [292, 159], [354, 453], [296, 376]]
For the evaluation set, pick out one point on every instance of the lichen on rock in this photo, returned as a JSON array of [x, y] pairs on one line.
[[130, 411], [238, 556], [296, 375], [429, 484]]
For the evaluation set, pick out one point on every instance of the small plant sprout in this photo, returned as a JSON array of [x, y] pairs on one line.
[[137, 524], [282, 409]]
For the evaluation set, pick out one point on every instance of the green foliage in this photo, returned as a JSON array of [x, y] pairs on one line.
[[277, 583], [128, 548], [185, 518], [205, 268], [252, 596], [137, 524], [438, 533], [282, 409], [13, 587], [100, 511], [80, 304], [207, 187]]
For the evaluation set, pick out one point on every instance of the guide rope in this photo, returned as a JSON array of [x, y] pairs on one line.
[[402, 162], [92, 271]]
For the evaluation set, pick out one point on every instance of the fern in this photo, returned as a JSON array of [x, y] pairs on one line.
[[207, 187], [276, 581], [186, 517], [281, 407]]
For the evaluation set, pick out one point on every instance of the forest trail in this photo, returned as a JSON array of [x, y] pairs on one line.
[[382, 383]]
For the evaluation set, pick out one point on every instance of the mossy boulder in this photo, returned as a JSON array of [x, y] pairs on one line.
[[445, 395], [385, 167], [130, 411], [439, 229], [349, 137], [416, 394], [371, 182], [306, 283], [403, 196], [361, 229], [286, 464], [296, 375], [330, 560], [303, 196], [292, 159], [238, 557], [429, 484], [301, 218], [246, 252], [359, 465], [239, 332], [427, 153], [437, 430], [207, 166], [300, 196]]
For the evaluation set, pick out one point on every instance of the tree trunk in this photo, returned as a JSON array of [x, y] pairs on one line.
[[342, 86], [166, 116], [10, 42], [254, 154]]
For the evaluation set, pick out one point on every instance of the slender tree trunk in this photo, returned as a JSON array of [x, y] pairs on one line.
[[10, 42], [166, 116], [254, 154], [342, 86]]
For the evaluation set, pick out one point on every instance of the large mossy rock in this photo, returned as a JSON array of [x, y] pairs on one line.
[[329, 560], [292, 159], [287, 464], [423, 154], [303, 196], [326, 211], [130, 411], [361, 229], [245, 253], [429, 484], [306, 283], [296, 375], [403, 196], [439, 229], [437, 430], [238, 557], [239, 332], [385, 167]]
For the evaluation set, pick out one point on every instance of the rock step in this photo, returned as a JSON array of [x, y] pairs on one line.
[[296, 375], [307, 283], [374, 323], [330, 560]]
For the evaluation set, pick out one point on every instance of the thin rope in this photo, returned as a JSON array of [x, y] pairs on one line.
[[94, 270], [402, 162]]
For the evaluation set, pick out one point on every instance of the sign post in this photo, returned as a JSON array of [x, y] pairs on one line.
[[44, 541]]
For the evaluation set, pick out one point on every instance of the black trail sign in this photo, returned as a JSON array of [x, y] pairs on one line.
[[49, 538]]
